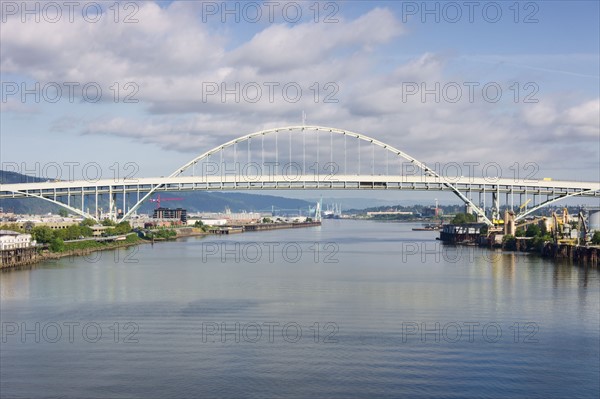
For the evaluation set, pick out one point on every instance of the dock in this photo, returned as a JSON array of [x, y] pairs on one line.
[[276, 226], [577, 253], [18, 257], [260, 227]]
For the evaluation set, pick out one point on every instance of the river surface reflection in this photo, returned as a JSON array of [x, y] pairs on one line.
[[348, 309]]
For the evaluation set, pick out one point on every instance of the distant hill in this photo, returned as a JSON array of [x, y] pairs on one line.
[[196, 201], [7, 177]]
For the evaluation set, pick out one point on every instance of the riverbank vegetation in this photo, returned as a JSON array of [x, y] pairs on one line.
[[535, 236], [463, 218], [160, 234]]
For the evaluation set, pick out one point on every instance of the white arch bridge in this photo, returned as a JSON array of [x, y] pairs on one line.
[[305, 158]]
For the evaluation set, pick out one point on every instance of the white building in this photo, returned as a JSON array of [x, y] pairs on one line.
[[13, 240], [208, 222], [231, 218]]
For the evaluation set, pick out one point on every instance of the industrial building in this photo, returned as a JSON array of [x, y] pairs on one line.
[[168, 213]]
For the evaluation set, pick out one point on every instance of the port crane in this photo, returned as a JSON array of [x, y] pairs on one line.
[[562, 228]]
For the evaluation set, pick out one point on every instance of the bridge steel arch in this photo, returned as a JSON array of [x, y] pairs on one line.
[[428, 171], [66, 206], [529, 211]]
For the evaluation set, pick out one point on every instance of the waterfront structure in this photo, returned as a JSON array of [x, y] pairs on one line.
[[12, 240], [389, 213], [461, 233], [16, 249], [207, 222]]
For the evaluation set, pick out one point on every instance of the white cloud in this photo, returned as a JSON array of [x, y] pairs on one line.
[[172, 55], [283, 47], [585, 117]]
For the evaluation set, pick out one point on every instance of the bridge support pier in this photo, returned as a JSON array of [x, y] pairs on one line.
[[509, 222], [97, 214], [112, 205], [496, 204]]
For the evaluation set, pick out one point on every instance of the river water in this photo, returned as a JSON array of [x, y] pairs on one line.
[[348, 309]]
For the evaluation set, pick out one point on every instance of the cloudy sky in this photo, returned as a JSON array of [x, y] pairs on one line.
[[143, 82]]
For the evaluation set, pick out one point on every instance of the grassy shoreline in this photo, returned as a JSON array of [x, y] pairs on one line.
[[88, 247]]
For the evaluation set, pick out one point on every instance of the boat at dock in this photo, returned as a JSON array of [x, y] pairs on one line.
[[428, 227]]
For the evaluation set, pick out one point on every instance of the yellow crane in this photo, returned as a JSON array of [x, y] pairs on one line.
[[562, 228], [523, 205]]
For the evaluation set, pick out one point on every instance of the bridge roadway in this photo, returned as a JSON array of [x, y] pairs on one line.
[[54, 190]]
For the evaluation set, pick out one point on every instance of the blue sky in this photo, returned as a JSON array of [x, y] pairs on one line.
[[373, 49]]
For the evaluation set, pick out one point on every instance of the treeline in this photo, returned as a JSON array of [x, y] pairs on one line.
[[92, 244], [115, 228], [539, 237], [464, 218], [161, 234], [55, 238]]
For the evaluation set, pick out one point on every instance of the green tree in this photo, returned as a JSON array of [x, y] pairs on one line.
[[267, 220], [57, 245], [63, 213], [199, 224], [596, 238], [42, 234], [61, 233], [71, 232], [509, 242], [520, 232], [463, 218], [544, 230], [74, 232], [88, 222], [108, 222], [123, 228], [533, 230], [539, 242], [163, 233]]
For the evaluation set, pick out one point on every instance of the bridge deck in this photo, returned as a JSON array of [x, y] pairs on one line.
[[301, 182]]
